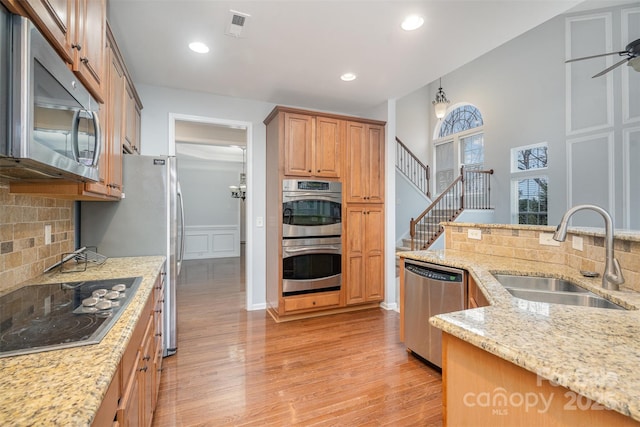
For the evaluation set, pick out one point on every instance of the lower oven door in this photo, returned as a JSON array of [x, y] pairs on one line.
[[311, 265]]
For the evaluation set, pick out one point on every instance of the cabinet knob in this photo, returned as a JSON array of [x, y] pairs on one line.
[[146, 358], [159, 334], [143, 369], [309, 170], [77, 46], [318, 170], [84, 60]]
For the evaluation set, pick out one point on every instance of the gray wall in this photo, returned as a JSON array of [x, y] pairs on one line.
[[521, 89]]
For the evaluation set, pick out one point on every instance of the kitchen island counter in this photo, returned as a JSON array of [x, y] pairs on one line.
[[592, 351], [66, 387]]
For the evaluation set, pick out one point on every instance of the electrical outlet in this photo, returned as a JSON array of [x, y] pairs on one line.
[[47, 234], [474, 233], [577, 243], [259, 221], [547, 239]]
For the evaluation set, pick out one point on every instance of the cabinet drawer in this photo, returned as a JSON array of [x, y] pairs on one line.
[[306, 302]]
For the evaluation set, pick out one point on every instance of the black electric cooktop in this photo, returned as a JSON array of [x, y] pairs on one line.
[[39, 318]]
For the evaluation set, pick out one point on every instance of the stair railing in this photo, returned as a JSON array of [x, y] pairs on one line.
[[470, 190], [411, 167]]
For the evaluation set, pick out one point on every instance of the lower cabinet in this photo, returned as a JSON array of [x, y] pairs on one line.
[[475, 295], [364, 253], [133, 394]]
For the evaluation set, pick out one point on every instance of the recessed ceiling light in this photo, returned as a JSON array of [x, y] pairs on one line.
[[199, 47], [348, 77], [412, 22]]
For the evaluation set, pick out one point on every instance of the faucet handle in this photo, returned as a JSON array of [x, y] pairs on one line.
[[612, 278]]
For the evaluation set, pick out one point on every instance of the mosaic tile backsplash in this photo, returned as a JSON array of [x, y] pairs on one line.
[[23, 252]]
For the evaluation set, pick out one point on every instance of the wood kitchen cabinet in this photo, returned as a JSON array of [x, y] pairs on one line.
[[312, 145], [363, 250], [132, 116], [482, 389], [364, 182], [475, 296], [132, 396], [309, 144], [76, 29]]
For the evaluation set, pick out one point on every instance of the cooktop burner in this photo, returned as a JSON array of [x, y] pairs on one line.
[[49, 317]]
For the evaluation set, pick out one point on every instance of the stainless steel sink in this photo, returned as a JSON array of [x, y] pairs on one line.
[[537, 283], [584, 299], [552, 290]]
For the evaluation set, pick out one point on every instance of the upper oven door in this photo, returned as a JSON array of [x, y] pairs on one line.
[[305, 215], [55, 123]]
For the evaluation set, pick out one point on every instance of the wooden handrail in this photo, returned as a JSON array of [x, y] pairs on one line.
[[414, 169], [455, 193]]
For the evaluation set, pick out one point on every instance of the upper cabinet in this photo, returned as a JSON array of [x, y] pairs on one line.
[[132, 107], [88, 61], [365, 157], [76, 29], [312, 145], [56, 19]]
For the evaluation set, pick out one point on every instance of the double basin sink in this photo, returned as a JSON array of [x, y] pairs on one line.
[[552, 290]]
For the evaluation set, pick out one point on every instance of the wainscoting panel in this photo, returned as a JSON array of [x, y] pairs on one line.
[[590, 174], [212, 241], [589, 101], [631, 184], [630, 77]]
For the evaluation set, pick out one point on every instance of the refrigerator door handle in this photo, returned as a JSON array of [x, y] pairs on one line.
[[182, 230]]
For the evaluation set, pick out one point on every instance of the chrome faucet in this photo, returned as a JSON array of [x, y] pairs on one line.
[[612, 277]]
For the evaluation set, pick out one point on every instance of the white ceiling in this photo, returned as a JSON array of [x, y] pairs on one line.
[[293, 52]]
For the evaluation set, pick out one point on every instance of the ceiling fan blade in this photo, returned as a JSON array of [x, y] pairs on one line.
[[595, 56], [606, 70]]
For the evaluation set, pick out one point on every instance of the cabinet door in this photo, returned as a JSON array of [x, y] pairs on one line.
[[90, 37], [355, 252], [375, 163], [298, 136], [365, 157], [364, 279], [374, 255], [56, 20], [328, 147], [131, 121], [115, 105], [356, 171], [129, 410]]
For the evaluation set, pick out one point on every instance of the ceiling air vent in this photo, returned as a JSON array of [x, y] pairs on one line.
[[236, 23]]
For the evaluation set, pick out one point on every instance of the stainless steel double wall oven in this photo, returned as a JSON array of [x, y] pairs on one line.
[[311, 236]]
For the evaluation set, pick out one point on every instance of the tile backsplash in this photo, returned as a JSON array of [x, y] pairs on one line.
[[23, 252]]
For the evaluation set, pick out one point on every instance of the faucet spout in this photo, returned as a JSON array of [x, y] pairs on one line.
[[612, 277]]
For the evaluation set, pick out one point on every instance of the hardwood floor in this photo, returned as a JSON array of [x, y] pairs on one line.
[[240, 368]]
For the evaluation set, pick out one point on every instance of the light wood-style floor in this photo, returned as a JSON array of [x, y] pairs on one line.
[[240, 368]]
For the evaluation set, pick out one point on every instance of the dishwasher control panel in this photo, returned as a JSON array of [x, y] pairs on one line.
[[433, 274]]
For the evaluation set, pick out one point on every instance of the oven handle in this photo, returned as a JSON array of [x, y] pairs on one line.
[[310, 196], [287, 252]]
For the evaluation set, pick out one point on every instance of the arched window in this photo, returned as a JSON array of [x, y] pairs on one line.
[[458, 141]]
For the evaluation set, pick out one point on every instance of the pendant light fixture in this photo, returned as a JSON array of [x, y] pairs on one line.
[[441, 102], [240, 191]]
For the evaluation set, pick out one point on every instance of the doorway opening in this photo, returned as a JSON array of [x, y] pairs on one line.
[[214, 155]]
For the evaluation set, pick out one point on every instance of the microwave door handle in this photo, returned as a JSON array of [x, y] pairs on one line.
[[75, 148], [97, 134]]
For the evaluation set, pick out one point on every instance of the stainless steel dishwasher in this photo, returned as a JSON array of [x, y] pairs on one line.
[[430, 289]]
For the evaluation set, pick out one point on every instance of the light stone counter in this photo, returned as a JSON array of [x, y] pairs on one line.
[[66, 387], [592, 351]]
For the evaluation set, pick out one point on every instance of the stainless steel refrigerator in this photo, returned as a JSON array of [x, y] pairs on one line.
[[149, 220]]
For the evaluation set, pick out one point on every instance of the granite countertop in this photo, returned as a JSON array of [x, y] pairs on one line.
[[592, 351], [66, 387]]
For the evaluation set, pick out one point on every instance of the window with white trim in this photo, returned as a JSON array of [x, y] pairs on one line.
[[529, 187], [459, 135]]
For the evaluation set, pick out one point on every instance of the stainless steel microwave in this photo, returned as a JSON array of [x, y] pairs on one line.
[[52, 126]]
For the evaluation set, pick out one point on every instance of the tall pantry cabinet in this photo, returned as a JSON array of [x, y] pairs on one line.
[[313, 145]]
